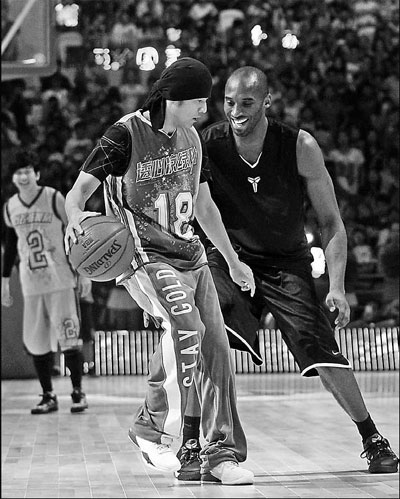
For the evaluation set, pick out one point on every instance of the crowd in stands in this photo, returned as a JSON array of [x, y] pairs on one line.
[[341, 83]]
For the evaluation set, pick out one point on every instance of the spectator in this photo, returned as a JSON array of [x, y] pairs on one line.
[[124, 32], [131, 89], [150, 30], [52, 173], [362, 251], [79, 145], [307, 120], [388, 261], [9, 129], [366, 14], [153, 7], [329, 110], [292, 105], [201, 11], [53, 115], [348, 162], [389, 176]]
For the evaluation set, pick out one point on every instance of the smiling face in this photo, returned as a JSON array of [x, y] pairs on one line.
[[25, 178], [246, 98], [184, 113]]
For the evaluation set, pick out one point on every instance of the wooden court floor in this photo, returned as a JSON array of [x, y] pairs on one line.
[[300, 442]]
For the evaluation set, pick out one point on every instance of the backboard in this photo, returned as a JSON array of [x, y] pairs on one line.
[[28, 45]]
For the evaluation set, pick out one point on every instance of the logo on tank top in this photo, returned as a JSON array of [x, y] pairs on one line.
[[168, 165], [254, 182], [32, 218]]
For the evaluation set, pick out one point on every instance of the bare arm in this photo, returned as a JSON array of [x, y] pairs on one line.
[[320, 190], [75, 201], [210, 221], [9, 255], [84, 283], [60, 206], [6, 297]]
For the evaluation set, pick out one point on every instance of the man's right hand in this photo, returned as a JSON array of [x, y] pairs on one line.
[[74, 228], [242, 275]]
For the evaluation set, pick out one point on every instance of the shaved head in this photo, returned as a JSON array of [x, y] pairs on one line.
[[251, 78], [245, 101]]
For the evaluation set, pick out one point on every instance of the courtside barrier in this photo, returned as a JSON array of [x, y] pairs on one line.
[[129, 352]]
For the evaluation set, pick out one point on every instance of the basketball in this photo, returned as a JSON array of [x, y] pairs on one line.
[[105, 249]]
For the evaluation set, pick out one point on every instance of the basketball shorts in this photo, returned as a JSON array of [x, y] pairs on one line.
[[292, 300], [51, 319]]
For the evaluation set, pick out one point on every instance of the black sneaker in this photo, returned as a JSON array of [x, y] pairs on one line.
[[48, 404], [189, 457], [79, 403], [380, 457]]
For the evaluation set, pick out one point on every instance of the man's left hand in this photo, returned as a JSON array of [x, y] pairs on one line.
[[337, 300]]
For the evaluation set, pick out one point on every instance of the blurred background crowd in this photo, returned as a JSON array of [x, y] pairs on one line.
[[333, 70]]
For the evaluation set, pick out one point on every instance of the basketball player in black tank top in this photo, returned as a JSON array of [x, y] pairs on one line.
[[260, 172]]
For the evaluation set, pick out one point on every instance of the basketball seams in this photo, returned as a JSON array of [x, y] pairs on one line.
[[102, 255], [105, 244], [98, 243]]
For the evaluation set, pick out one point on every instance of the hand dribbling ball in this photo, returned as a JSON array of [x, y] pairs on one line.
[[104, 251]]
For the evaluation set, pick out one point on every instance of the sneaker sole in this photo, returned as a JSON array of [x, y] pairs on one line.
[[79, 409], [52, 409], [146, 459], [210, 478], [188, 476], [384, 469]]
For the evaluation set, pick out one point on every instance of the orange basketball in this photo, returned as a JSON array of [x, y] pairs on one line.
[[104, 251]]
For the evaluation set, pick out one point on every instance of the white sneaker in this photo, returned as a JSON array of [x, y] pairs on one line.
[[229, 473], [156, 455]]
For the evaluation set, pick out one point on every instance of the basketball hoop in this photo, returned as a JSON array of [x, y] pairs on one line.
[[28, 47]]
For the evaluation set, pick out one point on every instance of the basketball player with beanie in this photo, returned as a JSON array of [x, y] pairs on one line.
[[35, 220], [153, 167], [259, 168]]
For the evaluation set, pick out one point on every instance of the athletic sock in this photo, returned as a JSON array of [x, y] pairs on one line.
[[366, 428], [74, 362], [191, 428], [43, 366]]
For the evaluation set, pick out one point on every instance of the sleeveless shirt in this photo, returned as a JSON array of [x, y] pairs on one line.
[[44, 266], [152, 190], [261, 207]]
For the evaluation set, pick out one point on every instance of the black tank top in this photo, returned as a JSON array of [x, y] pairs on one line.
[[262, 208]]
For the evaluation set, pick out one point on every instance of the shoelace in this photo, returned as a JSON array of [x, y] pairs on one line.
[[376, 448], [193, 455], [190, 455]]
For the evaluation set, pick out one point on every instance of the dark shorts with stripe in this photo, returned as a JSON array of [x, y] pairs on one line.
[[291, 298]]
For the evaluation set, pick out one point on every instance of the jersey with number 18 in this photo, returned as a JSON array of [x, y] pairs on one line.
[[155, 192]]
